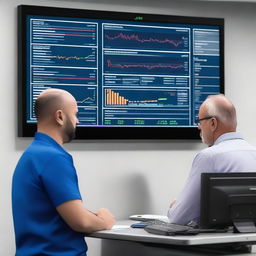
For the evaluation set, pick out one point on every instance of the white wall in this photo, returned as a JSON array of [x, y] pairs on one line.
[[128, 177]]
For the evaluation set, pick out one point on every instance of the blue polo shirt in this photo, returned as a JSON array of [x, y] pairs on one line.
[[44, 178]]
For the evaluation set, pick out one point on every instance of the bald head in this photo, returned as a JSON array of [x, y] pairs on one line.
[[221, 108], [56, 111], [49, 101]]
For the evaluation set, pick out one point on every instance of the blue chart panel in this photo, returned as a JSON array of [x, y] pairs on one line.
[[64, 76], [211, 82], [48, 55], [86, 97], [207, 66], [166, 98], [146, 63], [202, 91], [149, 117], [206, 42], [63, 32], [143, 37], [87, 116], [155, 81]]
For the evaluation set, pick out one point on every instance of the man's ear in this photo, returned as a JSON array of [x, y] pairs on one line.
[[59, 117], [213, 124]]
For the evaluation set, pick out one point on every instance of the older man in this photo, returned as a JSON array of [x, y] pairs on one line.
[[49, 216], [227, 152]]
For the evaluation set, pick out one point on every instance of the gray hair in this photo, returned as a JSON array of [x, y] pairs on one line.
[[222, 108]]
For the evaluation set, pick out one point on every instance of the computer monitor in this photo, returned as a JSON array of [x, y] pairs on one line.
[[134, 75], [228, 199]]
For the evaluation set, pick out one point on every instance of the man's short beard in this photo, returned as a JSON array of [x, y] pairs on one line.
[[69, 132]]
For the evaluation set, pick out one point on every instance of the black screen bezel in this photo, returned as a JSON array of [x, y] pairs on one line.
[[209, 181], [27, 130]]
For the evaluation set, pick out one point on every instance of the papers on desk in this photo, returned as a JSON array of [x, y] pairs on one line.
[[148, 217], [120, 226]]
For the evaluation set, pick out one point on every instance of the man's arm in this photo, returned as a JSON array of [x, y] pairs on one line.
[[187, 206], [82, 220]]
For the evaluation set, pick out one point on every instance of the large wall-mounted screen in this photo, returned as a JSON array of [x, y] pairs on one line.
[[134, 76]]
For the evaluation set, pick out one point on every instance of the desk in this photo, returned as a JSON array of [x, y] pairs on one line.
[[132, 240]]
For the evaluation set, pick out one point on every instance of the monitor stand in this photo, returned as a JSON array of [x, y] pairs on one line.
[[247, 226]]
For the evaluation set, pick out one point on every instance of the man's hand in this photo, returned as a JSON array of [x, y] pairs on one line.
[[108, 218], [80, 219], [172, 203]]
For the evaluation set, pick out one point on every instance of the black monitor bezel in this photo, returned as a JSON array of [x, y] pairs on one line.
[[224, 179], [27, 130]]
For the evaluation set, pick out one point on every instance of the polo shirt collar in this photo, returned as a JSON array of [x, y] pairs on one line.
[[229, 136], [39, 136]]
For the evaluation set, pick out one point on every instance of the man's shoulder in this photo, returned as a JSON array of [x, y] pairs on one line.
[[227, 146], [208, 153], [206, 159], [39, 149], [203, 156], [39, 155]]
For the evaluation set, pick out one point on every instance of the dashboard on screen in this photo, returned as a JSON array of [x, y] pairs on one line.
[[134, 76]]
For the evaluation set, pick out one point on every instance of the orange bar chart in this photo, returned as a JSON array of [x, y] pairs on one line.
[[114, 98]]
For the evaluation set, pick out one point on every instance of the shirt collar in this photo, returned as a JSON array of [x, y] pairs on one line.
[[39, 136], [229, 136]]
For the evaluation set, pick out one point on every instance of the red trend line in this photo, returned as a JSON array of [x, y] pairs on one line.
[[60, 34], [110, 65], [59, 77], [141, 40], [73, 29]]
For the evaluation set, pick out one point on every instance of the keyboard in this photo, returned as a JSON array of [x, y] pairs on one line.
[[156, 222], [169, 229], [143, 224]]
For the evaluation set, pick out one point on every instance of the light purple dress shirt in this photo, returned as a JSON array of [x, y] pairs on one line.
[[229, 153]]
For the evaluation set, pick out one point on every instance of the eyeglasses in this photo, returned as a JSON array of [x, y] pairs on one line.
[[202, 119]]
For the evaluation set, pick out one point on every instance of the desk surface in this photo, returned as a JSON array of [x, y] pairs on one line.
[[140, 235]]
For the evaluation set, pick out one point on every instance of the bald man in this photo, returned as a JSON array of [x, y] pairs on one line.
[[227, 152], [49, 217]]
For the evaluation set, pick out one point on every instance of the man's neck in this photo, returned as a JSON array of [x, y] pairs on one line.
[[218, 134], [51, 133]]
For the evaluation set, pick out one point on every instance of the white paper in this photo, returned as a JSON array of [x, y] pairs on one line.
[[120, 226]]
